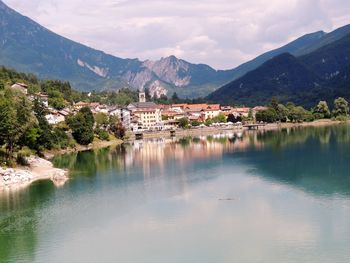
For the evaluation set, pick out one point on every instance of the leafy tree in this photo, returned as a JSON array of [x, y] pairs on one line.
[[88, 115], [341, 107], [296, 114], [220, 118], [15, 119], [45, 139], [183, 123], [232, 118], [82, 126], [321, 110], [208, 122], [282, 113], [116, 127], [57, 103], [268, 115], [102, 120]]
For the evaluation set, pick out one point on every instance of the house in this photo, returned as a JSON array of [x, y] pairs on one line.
[[123, 114], [242, 112], [42, 98], [200, 112], [148, 114], [55, 117], [21, 87]]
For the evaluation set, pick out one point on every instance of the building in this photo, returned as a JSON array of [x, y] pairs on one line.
[[146, 114], [55, 117], [123, 114], [240, 112], [21, 87], [142, 97], [199, 112], [42, 98]]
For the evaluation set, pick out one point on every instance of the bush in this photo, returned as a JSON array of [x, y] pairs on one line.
[[102, 134], [341, 118], [183, 123], [195, 123], [22, 156], [208, 122], [62, 140]]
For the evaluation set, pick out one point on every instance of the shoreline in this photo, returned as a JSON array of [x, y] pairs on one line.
[[214, 130], [80, 148], [42, 169], [38, 169]]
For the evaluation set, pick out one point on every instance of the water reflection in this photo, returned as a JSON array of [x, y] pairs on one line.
[[313, 158], [149, 191]]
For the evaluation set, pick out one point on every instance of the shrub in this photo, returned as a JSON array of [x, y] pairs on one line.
[[102, 134], [195, 123], [22, 156], [341, 118]]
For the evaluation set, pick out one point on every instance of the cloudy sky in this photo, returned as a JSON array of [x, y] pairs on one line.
[[221, 33]]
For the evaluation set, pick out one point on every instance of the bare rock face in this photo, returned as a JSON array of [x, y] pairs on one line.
[[157, 89], [172, 70]]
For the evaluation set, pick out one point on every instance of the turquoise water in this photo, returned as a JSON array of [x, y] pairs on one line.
[[253, 197]]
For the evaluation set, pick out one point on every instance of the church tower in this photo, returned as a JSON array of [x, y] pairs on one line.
[[142, 96]]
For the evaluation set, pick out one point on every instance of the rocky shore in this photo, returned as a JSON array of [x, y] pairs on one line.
[[37, 169]]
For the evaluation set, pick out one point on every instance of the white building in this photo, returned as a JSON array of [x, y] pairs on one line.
[[123, 114], [147, 114]]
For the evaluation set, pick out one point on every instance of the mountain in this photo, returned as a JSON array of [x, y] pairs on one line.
[[321, 74], [292, 47], [299, 47], [27, 46]]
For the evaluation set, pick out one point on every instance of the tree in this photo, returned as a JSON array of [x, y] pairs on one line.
[[321, 110], [220, 118], [274, 103], [183, 123], [175, 98], [15, 119], [116, 127], [233, 119], [268, 115], [341, 107], [45, 139], [296, 114], [101, 120], [82, 126], [282, 113], [208, 122]]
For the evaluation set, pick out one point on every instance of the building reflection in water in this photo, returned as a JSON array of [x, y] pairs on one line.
[[156, 152]]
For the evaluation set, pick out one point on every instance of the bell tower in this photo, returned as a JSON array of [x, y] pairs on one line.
[[142, 96]]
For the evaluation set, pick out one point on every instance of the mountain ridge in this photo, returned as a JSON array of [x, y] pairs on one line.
[[318, 78], [29, 47]]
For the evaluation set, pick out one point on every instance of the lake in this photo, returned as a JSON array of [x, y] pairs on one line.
[[276, 196]]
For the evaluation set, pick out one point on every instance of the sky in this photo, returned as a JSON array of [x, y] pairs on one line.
[[220, 33]]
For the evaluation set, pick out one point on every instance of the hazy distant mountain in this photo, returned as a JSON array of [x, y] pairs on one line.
[[322, 74], [29, 47]]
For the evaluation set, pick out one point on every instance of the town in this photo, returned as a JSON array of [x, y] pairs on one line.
[[149, 116]]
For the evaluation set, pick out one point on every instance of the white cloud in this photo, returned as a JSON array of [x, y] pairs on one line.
[[221, 33]]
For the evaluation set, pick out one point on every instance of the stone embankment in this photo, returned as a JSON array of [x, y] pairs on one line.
[[38, 169]]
